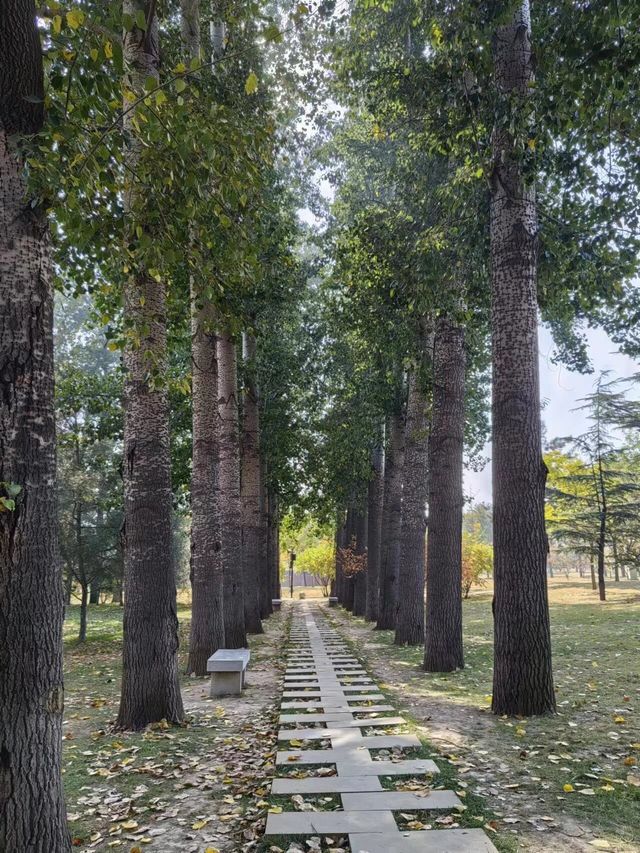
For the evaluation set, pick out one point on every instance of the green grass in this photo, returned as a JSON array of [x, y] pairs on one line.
[[102, 767], [594, 741]]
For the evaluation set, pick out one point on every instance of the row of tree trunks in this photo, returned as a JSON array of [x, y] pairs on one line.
[[150, 688], [443, 639], [32, 810]]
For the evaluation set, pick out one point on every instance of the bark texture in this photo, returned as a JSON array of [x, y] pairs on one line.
[[229, 482], [150, 687], [360, 550], [347, 589], [207, 603], [375, 500], [254, 572], [443, 633], [207, 609], [522, 682], [391, 524], [410, 609], [32, 810]]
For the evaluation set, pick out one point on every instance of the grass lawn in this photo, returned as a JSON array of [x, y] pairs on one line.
[[577, 769], [170, 789]]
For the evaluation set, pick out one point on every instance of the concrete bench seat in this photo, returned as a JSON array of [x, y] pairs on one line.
[[228, 668]]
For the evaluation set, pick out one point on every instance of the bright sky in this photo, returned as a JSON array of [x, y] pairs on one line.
[[560, 390]]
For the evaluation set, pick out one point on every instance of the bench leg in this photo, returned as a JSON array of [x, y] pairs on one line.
[[226, 684]]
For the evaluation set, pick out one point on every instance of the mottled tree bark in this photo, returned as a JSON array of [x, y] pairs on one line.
[[348, 591], [32, 810], [150, 687], [522, 681], [229, 482], [341, 532], [207, 594], [360, 550], [391, 523], [443, 636], [410, 610], [375, 499], [266, 607], [207, 608], [254, 572]]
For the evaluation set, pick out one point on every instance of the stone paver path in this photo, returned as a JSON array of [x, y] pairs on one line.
[[325, 685]]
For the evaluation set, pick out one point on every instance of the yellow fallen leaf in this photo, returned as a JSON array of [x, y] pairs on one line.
[[619, 719], [567, 788], [129, 824], [275, 810], [600, 843], [520, 731], [607, 788], [200, 824], [212, 850]]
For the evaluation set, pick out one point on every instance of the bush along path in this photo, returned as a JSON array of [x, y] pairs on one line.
[[346, 770]]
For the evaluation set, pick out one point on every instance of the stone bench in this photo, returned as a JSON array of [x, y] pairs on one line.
[[228, 668], [276, 603], [333, 601]]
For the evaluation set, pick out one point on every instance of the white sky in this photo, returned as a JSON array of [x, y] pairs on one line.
[[561, 389]]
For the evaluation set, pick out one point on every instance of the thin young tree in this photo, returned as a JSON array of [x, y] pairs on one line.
[[523, 680], [150, 686], [443, 633], [32, 810]]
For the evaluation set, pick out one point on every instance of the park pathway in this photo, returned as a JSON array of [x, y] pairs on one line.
[[325, 684]]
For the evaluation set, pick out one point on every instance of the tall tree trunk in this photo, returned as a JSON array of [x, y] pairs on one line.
[[229, 482], [443, 642], [94, 593], [266, 608], [207, 608], [254, 571], [116, 597], [348, 590], [594, 584], [602, 541], [207, 601], [150, 686], [375, 501], [616, 561], [360, 580], [32, 810], [391, 524], [410, 609], [522, 678], [84, 600], [341, 532]]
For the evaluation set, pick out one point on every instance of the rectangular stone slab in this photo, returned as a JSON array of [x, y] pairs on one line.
[[396, 801], [426, 841], [350, 735], [325, 785], [345, 720], [324, 756], [328, 823], [408, 767], [332, 706]]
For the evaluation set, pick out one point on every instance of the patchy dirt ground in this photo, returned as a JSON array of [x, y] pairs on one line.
[[196, 789], [566, 783]]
